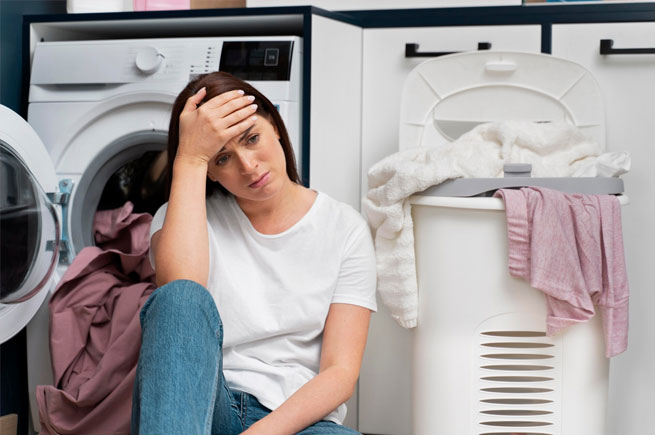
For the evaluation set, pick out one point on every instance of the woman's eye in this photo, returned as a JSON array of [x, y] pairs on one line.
[[252, 139], [222, 160]]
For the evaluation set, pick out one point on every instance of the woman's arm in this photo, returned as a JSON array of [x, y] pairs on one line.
[[181, 247], [344, 339]]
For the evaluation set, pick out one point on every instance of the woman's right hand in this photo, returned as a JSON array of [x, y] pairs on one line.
[[206, 129]]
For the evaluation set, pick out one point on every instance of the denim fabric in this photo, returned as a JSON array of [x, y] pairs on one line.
[[179, 386]]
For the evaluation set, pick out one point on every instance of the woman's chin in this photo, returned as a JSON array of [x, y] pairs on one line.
[[261, 193]]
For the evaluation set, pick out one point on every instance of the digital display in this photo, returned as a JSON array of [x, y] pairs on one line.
[[257, 60]]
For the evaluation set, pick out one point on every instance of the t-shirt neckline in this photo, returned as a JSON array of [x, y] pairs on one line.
[[243, 218]]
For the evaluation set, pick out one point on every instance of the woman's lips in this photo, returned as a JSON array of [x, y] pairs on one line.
[[260, 181]]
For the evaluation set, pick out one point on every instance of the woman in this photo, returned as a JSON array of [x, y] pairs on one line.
[[291, 271]]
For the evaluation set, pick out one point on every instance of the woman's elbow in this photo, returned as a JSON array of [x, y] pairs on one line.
[[349, 382], [350, 391]]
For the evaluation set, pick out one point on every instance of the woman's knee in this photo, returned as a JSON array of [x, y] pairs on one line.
[[183, 300]]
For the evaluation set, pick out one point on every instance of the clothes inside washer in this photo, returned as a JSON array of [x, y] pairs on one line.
[[140, 181], [95, 333]]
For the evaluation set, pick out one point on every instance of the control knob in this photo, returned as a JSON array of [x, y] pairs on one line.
[[149, 60]]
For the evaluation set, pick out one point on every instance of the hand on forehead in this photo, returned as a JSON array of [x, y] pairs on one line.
[[221, 99]]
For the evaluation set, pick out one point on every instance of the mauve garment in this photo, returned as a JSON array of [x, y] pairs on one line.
[[95, 333], [571, 248]]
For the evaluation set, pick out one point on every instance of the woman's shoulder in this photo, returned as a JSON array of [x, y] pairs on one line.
[[344, 226], [340, 213]]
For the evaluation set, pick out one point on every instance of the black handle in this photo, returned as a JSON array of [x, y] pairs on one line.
[[606, 48], [411, 50]]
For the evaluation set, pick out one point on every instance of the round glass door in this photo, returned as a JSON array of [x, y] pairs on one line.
[[29, 231]]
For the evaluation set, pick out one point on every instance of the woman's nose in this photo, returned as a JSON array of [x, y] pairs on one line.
[[248, 162]]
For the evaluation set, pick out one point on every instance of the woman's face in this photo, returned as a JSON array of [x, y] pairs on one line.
[[251, 166]]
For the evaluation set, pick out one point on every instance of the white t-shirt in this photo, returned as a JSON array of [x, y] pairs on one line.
[[273, 292]]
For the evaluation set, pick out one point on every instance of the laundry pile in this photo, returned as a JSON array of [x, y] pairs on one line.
[[95, 335], [553, 149]]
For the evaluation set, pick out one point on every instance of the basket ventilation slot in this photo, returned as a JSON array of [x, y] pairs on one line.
[[518, 378]]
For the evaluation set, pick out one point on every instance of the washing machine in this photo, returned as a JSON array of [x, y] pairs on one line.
[[98, 118]]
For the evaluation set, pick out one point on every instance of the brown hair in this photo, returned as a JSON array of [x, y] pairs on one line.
[[216, 84]]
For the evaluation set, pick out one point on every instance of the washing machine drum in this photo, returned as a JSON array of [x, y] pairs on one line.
[[131, 168], [29, 224]]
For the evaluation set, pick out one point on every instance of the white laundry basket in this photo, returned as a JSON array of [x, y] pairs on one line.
[[482, 362]]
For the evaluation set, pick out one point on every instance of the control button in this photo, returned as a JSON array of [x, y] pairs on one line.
[[271, 56], [149, 60]]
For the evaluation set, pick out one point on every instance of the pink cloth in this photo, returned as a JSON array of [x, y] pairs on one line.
[[95, 335], [571, 248]]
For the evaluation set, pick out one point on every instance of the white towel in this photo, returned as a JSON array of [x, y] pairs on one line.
[[553, 149]]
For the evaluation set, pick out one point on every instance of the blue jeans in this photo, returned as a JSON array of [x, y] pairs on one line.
[[179, 386]]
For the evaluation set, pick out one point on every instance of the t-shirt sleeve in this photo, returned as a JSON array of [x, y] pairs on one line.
[[357, 276], [156, 225]]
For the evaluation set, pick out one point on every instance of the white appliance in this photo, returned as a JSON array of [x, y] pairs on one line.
[[482, 363], [95, 108]]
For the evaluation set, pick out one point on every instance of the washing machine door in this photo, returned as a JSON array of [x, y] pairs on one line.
[[29, 223]]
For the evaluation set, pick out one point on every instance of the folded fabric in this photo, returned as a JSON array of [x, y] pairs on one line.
[[553, 149], [95, 333], [571, 248]]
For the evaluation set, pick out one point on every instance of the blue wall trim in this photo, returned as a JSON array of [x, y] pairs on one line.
[[306, 98], [505, 15], [11, 42], [194, 13]]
